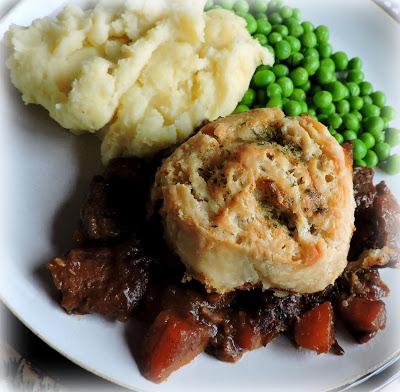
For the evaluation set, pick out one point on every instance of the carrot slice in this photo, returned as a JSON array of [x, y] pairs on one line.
[[314, 330], [363, 317], [172, 342]]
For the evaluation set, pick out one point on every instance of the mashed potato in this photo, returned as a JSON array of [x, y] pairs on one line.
[[148, 71]]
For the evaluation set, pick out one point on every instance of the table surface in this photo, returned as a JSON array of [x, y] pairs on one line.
[[20, 348]]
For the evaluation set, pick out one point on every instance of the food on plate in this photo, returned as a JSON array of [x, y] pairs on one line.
[[314, 330], [257, 225], [119, 249], [308, 77], [150, 72], [257, 198]]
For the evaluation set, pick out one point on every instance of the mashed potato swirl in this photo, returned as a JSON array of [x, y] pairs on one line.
[[147, 71]]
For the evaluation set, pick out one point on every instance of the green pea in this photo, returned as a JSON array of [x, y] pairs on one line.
[[379, 98], [349, 135], [341, 61], [241, 109], [378, 136], [374, 124], [299, 76], [271, 49], [322, 99], [343, 107], [208, 5], [286, 86], [312, 112], [322, 33], [295, 59], [296, 29], [392, 137], [325, 75], [388, 113], [335, 121], [323, 118], [275, 18], [274, 90], [371, 159], [306, 86], [241, 6], [382, 150], [329, 64], [227, 4], [263, 26], [351, 122], [216, 7], [283, 50], [249, 97], [360, 162], [281, 29], [262, 97], [260, 6], [392, 165], [358, 115], [280, 70], [368, 140], [251, 23], [355, 76], [367, 100], [308, 39], [304, 107], [260, 15], [359, 149], [274, 38], [370, 110], [298, 95], [328, 110], [286, 12], [354, 89], [261, 38], [263, 78], [339, 138], [294, 43], [325, 50], [338, 91], [292, 108], [366, 88], [296, 13], [308, 27], [355, 63], [275, 102], [274, 6], [311, 65], [356, 103], [311, 53]]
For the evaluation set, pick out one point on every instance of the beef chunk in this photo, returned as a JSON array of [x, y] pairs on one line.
[[108, 281], [100, 218], [377, 219], [364, 283], [364, 189], [117, 199]]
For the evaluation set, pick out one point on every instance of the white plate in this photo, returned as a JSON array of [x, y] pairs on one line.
[[45, 173]]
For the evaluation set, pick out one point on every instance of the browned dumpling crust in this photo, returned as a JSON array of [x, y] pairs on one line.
[[259, 199]]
